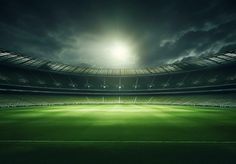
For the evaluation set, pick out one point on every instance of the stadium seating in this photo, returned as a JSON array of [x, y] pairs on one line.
[[28, 83], [222, 100], [213, 77]]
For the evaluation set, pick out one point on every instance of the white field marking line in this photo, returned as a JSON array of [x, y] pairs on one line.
[[95, 141]]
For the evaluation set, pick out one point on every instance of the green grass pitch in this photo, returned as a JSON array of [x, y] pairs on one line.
[[118, 134]]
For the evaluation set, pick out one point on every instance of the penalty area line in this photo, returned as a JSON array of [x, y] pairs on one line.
[[110, 141]]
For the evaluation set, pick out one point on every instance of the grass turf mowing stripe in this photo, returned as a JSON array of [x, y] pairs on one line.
[[80, 141]]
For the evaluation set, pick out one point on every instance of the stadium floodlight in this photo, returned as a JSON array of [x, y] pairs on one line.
[[72, 85], [120, 51]]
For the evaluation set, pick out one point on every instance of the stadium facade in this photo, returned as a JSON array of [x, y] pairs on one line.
[[208, 80]]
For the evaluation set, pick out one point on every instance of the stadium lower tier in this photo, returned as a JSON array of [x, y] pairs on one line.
[[217, 99]]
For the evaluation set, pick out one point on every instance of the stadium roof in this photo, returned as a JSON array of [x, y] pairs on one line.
[[12, 58]]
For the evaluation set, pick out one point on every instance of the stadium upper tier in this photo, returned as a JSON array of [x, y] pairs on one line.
[[16, 59], [23, 74]]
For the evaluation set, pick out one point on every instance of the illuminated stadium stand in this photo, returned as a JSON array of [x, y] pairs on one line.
[[178, 83], [222, 100]]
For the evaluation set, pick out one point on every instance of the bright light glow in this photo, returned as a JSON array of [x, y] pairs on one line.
[[111, 49], [106, 50], [120, 52]]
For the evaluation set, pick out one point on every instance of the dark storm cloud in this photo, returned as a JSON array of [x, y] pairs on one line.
[[160, 31]]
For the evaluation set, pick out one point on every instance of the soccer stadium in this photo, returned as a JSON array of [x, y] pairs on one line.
[[72, 93], [187, 104]]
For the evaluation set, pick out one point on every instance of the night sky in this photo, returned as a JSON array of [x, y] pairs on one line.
[[78, 32]]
